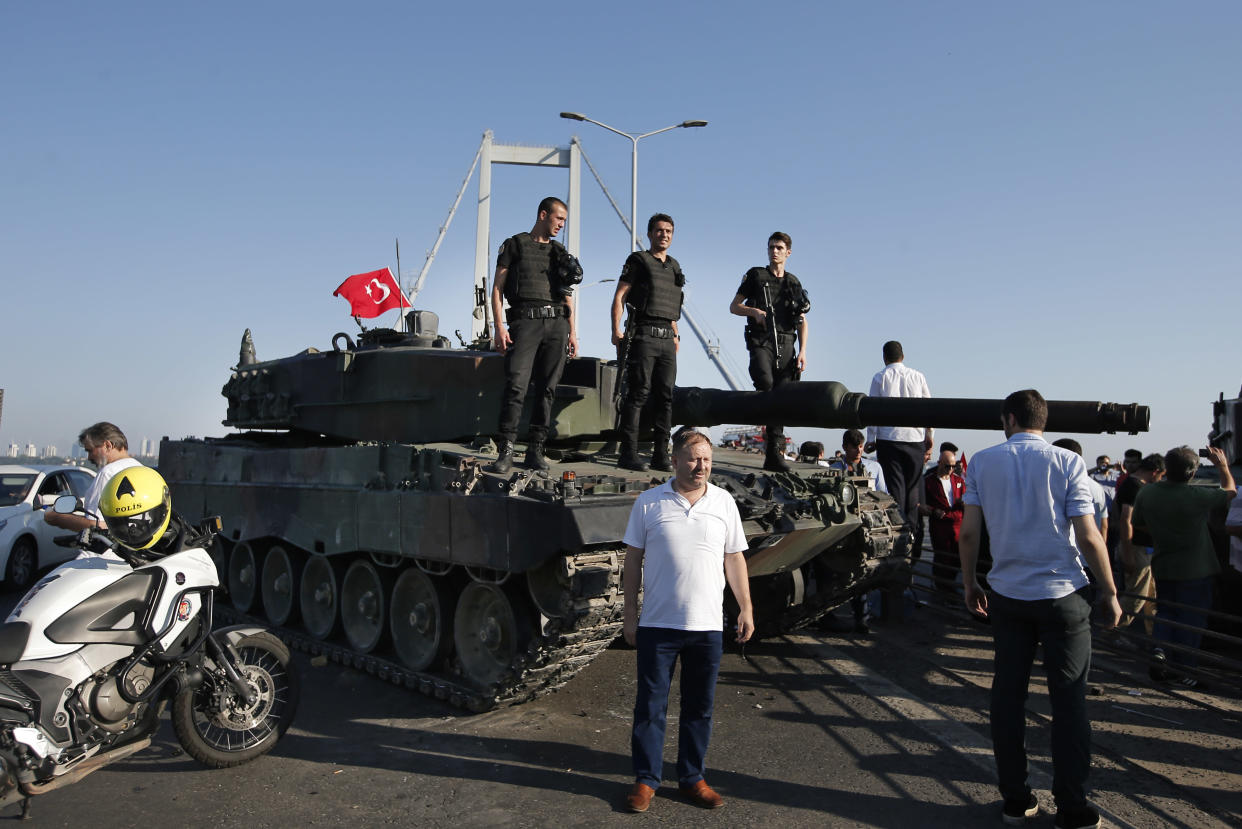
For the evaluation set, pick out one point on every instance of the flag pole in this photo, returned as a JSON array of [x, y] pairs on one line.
[[400, 293]]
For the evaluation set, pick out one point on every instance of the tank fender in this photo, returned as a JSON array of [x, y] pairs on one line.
[[780, 553]]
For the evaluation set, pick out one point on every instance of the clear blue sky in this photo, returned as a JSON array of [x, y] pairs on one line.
[[1039, 195]]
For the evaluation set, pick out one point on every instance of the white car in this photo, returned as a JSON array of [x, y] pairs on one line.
[[25, 538]]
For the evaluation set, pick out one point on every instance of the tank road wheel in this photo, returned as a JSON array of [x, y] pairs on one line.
[[364, 605], [279, 585], [490, 628], [243, 576], [550, 588], [320, 595], [422, 619], [219, 553]]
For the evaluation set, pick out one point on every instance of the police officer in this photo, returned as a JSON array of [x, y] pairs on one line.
[[773, 288], [536, 275], [651, 283]]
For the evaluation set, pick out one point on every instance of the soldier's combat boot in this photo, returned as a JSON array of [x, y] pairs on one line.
[[774, 460], [659, 454], [504, 460], [629, 458], [534, 456]]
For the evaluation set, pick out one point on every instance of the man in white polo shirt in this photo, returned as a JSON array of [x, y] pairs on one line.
[[683, 541], [107, 448], [1037, 503]]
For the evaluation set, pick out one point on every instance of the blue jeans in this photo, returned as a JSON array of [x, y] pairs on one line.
[[1063, 627], [1194, 592], [658, 651]]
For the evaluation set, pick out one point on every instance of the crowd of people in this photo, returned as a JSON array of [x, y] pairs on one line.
[[1034, 535]]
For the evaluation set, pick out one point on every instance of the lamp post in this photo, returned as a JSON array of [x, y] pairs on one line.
[[634, 139]]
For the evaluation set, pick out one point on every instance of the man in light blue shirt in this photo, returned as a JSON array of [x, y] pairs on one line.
[[1040, 517]]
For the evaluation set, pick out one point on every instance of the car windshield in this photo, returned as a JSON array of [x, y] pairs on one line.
[[13, 489]]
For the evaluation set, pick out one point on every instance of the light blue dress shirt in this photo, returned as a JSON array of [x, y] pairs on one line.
[[1029, 490]]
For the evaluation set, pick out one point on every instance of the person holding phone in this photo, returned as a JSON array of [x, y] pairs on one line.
[[1183, 559]]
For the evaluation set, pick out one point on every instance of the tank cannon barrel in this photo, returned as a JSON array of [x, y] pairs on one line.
[[830, 405]]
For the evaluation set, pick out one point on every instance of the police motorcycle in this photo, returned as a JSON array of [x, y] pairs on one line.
[[96, 650]]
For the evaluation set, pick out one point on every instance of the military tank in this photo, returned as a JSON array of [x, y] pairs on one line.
[[360, 521]]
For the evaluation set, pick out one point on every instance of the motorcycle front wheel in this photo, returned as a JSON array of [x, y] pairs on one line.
[[218, 728]]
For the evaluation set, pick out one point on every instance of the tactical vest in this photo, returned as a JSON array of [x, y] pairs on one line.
[[662, 295], [532, 281], [783, 293]]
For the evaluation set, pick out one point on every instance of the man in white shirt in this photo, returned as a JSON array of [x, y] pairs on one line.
[[901, 450], [684, 540], [942, 505], [107, 448], [1037, 505]]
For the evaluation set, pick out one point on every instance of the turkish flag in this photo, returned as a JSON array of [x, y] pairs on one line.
[[371, 294]]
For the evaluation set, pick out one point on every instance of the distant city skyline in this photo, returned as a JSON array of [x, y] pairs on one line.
[[144, 448]]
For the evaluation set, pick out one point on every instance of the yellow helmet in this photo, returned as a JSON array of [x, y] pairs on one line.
[[136, 507]]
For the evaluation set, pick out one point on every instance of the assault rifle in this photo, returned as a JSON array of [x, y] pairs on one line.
[[623, 361], [771, 322]]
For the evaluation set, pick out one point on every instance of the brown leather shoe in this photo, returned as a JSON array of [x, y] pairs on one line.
[[639, 797], [701, 794]]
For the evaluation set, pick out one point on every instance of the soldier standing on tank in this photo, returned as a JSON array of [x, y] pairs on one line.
[[775, 289], [540, 331], [651, 283]]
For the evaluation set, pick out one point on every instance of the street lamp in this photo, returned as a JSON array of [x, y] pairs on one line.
[[634, 138]]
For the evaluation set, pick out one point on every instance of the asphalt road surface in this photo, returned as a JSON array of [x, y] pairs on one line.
[[886, 730]]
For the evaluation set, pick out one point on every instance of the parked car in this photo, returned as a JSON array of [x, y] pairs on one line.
[[25, 538]]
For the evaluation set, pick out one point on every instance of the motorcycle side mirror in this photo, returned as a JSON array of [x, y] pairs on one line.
[[66, 504]]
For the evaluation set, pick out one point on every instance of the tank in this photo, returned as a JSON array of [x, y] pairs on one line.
[[359, 519]]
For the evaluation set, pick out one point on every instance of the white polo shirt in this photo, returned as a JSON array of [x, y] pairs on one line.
[[683, 560], [90, 503]]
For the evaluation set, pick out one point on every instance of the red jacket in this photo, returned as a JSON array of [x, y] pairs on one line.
[[944, 531]]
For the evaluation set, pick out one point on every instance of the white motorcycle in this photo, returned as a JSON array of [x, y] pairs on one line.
[[92, 654]]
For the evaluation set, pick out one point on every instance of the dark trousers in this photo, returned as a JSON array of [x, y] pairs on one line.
[[1197, 593], [658, 651], [535, 358], [651, 371], [767, 373], [902, 465], [945, 565], [1062, 626]]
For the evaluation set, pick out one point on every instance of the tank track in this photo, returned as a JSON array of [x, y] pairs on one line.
[[563, 648]]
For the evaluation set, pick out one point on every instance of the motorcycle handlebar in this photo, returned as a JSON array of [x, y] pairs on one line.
[[97, 541]]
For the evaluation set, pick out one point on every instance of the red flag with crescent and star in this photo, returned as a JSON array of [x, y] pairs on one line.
[[371, 294]]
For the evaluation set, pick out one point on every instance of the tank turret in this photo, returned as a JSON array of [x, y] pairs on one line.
[[403, 388]]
